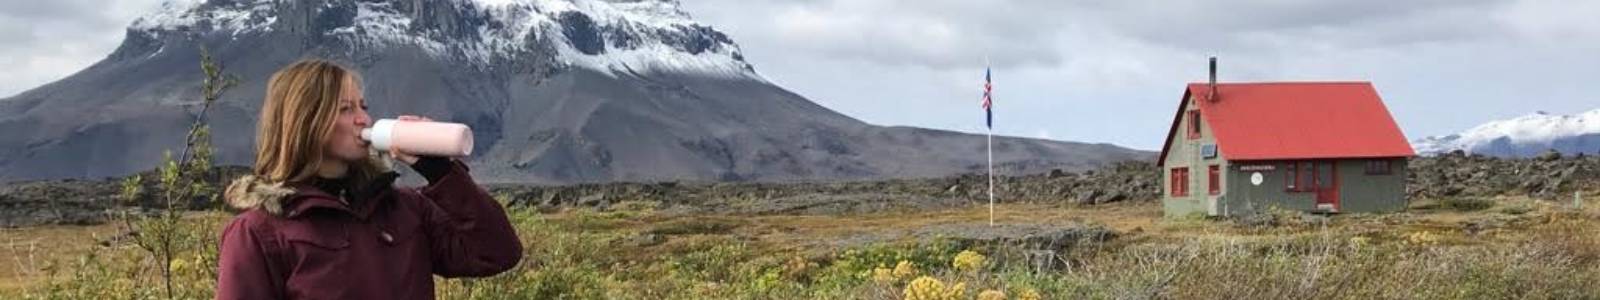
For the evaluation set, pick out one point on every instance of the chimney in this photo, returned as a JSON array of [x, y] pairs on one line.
[[1213, 86]]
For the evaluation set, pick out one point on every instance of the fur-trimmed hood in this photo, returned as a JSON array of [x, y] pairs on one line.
[[250, 191]]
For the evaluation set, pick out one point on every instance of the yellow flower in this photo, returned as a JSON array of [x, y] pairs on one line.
[[929, 288], [924, 288], [992, 295], [1422, 238], [905, 269], [177, 265], [1030, 294], [882, 275], [959, 291], [968, 261]]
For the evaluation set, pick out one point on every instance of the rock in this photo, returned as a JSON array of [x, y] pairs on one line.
[[1116, 196], [592, 200], [1548, 176], [1086, 197], [1549, 155], [549, 199]]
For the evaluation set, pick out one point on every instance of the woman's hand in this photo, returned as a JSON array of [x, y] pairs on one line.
[[408, 158]]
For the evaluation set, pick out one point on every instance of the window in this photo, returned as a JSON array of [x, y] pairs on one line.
[[1180, 182], [1214, 176], [1304, 179], [1288, 176], [1379, 167], [1297, 176], [1194, 124]]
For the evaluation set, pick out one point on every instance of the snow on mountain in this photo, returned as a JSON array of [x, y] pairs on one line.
[[1522, 136], [185, 14], [615, 36]]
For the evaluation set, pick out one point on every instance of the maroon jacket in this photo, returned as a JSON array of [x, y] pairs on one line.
[[298, 242]]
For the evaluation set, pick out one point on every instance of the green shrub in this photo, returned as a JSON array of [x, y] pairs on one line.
[[1467, 203], [696, 226]]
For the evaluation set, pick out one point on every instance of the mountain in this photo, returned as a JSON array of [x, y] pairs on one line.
[[1524, 136], [556, 91]]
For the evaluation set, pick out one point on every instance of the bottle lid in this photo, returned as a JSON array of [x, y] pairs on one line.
[[381, 134]]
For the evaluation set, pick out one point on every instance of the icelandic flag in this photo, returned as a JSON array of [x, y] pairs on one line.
[[988, 100]]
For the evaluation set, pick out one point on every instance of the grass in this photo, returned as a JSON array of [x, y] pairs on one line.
[[1519, 248], [27, 252], [1467, 203]]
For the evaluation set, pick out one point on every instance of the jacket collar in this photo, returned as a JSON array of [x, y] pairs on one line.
[[307, 198], [252, 192]]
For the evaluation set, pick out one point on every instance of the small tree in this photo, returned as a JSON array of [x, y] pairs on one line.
[[181, 181]]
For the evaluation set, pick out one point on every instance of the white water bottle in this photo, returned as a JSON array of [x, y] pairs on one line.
[[420, 137]]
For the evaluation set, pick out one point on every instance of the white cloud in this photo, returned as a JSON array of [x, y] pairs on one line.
[[920, 34], [48, 40], [1111, 71]]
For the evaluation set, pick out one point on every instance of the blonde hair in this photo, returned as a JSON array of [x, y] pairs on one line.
[[296, 122]]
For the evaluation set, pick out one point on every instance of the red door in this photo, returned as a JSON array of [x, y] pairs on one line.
[[1326, 184]]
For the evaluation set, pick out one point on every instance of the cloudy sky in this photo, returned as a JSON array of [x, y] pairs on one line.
[[1094, 71]]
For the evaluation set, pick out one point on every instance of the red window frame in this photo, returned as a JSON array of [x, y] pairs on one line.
[[1194, 124], [1214, 174], [1380, 167], [1307, 177], [1300, 176], [1180, 182], [1289, 176]]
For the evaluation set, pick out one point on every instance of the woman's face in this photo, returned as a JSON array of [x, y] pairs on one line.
[[346, 143]]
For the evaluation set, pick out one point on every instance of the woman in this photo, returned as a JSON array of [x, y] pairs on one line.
[[322, 219]]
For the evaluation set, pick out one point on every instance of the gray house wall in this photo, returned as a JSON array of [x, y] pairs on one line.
[[1185, 152], [1244, 197], [1358, 191]]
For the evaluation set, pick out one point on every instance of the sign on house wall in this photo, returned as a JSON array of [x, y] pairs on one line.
[[1258, 167]]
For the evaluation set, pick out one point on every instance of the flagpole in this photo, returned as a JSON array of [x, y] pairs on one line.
[[989, 139]]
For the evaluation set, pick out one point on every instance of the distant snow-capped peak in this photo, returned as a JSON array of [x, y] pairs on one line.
[[188, 15], [1522, 136], [614, 36]]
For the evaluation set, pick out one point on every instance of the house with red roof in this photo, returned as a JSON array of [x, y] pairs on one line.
[[1307, 146]]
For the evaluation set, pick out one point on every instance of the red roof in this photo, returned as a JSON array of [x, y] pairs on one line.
[[1296, 120]]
